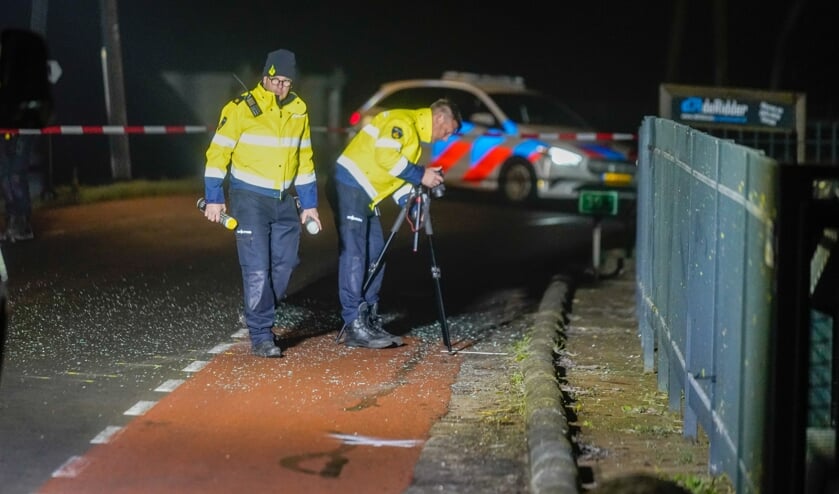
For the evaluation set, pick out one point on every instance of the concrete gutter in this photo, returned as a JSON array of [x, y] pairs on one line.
[[553, 467]]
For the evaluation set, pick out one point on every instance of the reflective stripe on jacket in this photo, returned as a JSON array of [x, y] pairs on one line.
[[266, 153], [384, 148]]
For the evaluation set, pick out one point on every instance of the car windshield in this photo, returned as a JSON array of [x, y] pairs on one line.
[[537, 109]]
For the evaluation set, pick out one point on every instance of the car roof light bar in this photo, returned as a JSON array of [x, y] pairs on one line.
[[504, 80]]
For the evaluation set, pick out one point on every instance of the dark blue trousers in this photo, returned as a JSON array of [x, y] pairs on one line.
[[14, 179], [360, 241], [268, 241]]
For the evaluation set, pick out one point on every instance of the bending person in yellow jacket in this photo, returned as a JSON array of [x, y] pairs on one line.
[[379, 162]]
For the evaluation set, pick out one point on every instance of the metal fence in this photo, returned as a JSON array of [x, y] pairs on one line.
[[704, 283], [821, 142], [738, 302]]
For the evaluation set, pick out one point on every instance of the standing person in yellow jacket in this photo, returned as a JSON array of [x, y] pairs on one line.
[[380, 161], [264, 136]]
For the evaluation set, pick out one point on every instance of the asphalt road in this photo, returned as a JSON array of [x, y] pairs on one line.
[[114, 303]]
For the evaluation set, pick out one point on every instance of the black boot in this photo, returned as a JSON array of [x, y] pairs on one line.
[[18, 228], [374, 320], [267, 349], [359, 334]]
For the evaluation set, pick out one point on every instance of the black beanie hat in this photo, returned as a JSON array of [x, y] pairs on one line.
[[280, 62]]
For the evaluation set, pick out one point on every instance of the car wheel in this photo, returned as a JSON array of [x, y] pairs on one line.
[[517, 182]]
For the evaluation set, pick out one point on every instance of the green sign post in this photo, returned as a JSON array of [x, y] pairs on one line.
[[598, 202]]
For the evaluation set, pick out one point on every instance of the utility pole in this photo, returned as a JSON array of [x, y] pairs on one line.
[[113, 78], [38, 18], [38, 24], [720, 42], [674, 51], [790, 22]]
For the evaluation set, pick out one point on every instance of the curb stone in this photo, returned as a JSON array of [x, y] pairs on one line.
[[553, 467]]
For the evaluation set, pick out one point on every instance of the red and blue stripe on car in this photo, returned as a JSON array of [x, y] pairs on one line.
[[488, 151]]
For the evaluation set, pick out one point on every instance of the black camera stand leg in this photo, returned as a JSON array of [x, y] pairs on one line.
[[377, 264], [436, 274]]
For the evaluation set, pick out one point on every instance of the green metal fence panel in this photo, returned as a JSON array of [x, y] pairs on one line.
[[758, 301], [644, 240], [706, 208], [701, 279]]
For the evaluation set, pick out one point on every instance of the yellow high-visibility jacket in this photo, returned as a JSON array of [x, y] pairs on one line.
[[266, 153], [381, 155]]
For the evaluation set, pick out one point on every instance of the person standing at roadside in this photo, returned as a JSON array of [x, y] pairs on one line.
[[264, 137], [25, 102], [380, 161], [15, 151]]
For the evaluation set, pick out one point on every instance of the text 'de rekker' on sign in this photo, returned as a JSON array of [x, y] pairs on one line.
[[718, 107]]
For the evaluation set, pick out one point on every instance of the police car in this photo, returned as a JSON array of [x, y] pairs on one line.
[[516, 142]]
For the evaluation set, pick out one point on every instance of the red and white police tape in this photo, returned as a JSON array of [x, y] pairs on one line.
[[201, 129], [581, 136], [127, 129], [109, 129]]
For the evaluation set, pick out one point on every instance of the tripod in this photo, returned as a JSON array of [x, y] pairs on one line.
[[418, 207]]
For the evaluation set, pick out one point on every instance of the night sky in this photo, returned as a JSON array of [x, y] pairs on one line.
[[606, 59]]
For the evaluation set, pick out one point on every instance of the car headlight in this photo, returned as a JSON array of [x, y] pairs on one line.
[[564, 157]]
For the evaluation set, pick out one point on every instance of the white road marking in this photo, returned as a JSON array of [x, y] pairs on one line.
[[140, 408], [72, 467], [221, 348], [375, 441], [195, 366], [556, 220], [105, 436], [169, 386], [476, 353]]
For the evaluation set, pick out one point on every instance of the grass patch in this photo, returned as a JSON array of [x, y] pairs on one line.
[[510, 407], [654, 430], [68, 195], [703, 484], [521, 348]]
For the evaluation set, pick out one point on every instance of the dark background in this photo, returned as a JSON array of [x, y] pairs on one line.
[[605, 59]]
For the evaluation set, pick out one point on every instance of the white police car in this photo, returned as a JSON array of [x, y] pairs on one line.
[[515, 141]]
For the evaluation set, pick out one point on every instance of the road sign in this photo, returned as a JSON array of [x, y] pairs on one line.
[[598, 202]]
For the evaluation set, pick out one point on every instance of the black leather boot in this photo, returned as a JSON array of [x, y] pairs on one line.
[[359, 334], [18, 228], [374, 320], [267, 349]]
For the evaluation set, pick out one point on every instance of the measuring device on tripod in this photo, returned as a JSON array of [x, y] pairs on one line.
[[418, 209]]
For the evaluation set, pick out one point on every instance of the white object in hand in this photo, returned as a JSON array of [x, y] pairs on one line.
[[312, 226]]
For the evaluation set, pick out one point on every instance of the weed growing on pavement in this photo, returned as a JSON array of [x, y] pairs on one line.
[[511, 404], [686, 458], [704, 485], [655, 430], [517, 380], [520, 348]]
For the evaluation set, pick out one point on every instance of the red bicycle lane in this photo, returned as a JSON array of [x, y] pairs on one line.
[[324, 418]]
